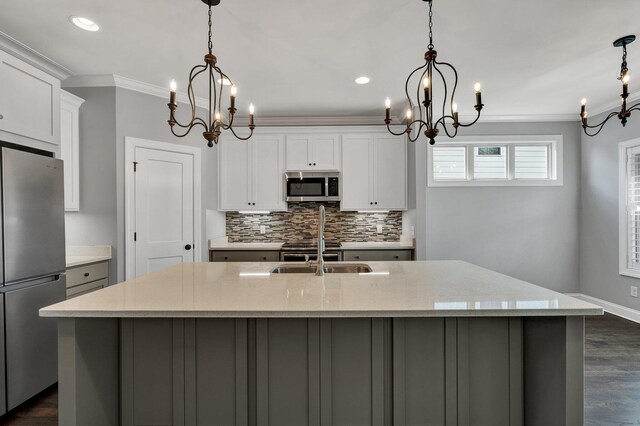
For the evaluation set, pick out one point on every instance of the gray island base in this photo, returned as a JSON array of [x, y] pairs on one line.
[[481, 358]]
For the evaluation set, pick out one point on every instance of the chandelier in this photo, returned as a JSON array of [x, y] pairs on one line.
[[424, 96], [214, 123], [625, 112]]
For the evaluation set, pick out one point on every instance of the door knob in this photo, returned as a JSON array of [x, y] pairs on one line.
[[187, 247]]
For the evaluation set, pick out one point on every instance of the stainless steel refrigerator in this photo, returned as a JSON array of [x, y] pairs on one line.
[[32, 271]]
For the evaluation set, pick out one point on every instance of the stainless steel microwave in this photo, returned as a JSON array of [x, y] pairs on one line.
[[311, 186]]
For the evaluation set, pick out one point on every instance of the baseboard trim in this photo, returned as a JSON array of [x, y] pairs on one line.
[[612, 308]]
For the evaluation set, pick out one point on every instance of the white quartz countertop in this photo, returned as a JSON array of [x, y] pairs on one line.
[[394, 289], [244, 246], [395, 245], [83, 255]]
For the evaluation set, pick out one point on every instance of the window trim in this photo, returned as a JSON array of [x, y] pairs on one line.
[[623, 222], [555, 152]]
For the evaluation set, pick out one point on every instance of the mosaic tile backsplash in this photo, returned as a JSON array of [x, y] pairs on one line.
[[301, 222]]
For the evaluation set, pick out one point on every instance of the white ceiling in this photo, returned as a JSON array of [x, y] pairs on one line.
[[300, 57]]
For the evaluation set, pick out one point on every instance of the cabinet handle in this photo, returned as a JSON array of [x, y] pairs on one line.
[[357, 257], [86, 274], [397, 257], [371, 203], [187, 247], [264, 258], [248, 204], [1, 116], [314, 164], [376, 203], [254, 204], [226, 258], [309, 163]]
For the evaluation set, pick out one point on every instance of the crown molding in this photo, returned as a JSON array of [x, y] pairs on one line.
[[71, 99], [33, 57], [529, 118], [114, 80]]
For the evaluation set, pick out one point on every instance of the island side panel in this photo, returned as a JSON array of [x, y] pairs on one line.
[[419, 369], [353, 367], [554, 371], [288, 371], [152, 374], [88, 371]]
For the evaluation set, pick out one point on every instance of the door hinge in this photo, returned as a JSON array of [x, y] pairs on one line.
[[135, 236], [135, 166]]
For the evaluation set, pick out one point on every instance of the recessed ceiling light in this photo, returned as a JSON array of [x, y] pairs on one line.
[[224, 81], [84, 23], [363, 80]]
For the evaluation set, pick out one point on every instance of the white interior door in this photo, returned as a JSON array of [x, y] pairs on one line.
[[164, 209]]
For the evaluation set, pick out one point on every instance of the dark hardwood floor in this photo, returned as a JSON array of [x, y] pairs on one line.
[[41, 410], [612, 379], [612, 371]]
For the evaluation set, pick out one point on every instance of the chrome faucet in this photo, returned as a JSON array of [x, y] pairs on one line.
[[320, 260]]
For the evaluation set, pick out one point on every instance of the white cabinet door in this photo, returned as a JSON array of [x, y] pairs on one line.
[[356, 172], [326, 152], [390, 172], [298, 153], [267, 153], [69, 148], [29, 101], [234, 179]]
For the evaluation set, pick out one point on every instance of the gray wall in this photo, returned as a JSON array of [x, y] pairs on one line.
[[106, 117], [95, 223], [529, 233], [599, 275]]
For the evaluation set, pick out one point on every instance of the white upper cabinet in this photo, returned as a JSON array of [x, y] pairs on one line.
[[70, 148], [29, 102], [251, 173], [313, 152], [374, 172]]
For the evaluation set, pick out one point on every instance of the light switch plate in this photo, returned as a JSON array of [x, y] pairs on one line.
[[634, 291], [263, 229], [379, 229]]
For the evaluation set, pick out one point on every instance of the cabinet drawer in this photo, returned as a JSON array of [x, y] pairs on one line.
[[377, 255], [245, 256], [86, 288], [87, 273]]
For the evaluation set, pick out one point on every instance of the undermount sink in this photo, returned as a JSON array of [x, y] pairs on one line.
[[330, 268]]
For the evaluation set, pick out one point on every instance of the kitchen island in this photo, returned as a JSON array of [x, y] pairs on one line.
[[411, 343]]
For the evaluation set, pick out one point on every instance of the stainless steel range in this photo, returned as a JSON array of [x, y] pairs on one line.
[[302, 251]]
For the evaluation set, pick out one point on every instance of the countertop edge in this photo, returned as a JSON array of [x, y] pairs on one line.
[[324, 314]]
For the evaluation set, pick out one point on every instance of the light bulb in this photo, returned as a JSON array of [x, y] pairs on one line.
[[454, 107], [173, 85], [477, 87], [387, 103], [234, 90], [425, 82], [585, 114], [408, 114], [584, 101], [217, 116], [252, 109], [625, 78]]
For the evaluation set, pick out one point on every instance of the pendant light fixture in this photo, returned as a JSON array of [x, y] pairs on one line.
[[424, 95], [215, 122], [625, 112]]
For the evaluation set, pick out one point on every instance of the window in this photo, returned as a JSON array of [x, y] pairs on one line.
[[629, 208], [496, 161]]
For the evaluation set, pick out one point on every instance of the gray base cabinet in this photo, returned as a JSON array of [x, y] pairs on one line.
[[84, 279], [244, 256], [328, 371], [376, 255]]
